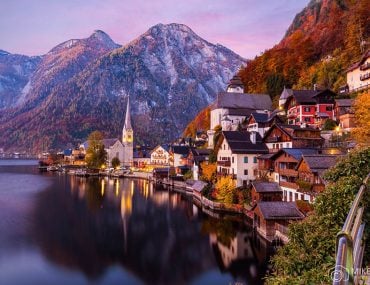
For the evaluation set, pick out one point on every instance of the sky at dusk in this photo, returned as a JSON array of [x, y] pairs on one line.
[[248, 27]]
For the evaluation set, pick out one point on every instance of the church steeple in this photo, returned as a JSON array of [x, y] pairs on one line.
[[127, 132], [127, 124]]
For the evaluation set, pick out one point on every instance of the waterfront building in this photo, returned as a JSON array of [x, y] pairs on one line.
[[265, 191], [238, 154], [160, 155]]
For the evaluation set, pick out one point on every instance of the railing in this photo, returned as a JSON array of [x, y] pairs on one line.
[[288, 172], [365, 66], [226, 163], [350, 245]]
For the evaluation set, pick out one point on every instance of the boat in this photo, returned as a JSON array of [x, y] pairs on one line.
[[52, 168]]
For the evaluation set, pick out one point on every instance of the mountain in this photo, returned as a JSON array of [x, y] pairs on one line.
[[169, 72], [15, 72], [323, 40]]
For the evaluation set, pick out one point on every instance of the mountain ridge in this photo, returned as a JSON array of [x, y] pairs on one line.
[[169, 72]]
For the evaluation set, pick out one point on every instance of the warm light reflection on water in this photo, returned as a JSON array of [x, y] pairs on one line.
[[75, 230]]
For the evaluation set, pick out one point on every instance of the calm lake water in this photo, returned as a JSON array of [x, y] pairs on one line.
[[61, 229]]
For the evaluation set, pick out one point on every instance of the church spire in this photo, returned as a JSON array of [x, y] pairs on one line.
[[127, 124]]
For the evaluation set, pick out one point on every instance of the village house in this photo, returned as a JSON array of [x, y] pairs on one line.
[[292, 136], [232, 107], [358, 75], [179, 154], [160, 155], [141, 158], [261, 122], [309, 107], [310, 170], [195, 158], [238, 154], [265, 191], [271, 219], [285, 172], [344, 114]]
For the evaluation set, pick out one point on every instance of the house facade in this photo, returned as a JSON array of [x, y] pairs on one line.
[[232, 107], [265, 191], [292, 136], [160, 155], [310, 107], [285, 173], [358, 75], [237, 156]]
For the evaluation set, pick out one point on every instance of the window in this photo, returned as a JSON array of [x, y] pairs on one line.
[[255, 159], [307, 109], [245, 171], [245, 159], [307, 119], [232, 159], [329, 108]]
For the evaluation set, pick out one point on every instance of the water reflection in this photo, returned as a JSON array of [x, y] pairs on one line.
[[120, 231]]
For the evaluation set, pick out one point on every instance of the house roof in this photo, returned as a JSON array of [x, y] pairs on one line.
[[295, 152], [198, 185], [180, 149], [286, 93], [307, 96], [344, 102], [322, 115], [235, 82], [109, 142], [362, 60], [165, 147], [266, 187], [239, 142], [291, 130], [319, 162], [280, 211], [242, 101]]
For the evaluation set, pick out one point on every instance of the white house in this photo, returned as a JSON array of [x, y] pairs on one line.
[[232, 107], [160, 155], [238, 155], [358, 75]]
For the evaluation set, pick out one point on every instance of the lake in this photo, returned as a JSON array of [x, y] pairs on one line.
[[60, 229]]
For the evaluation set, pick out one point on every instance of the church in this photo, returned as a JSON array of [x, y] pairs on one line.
[[122, 149]]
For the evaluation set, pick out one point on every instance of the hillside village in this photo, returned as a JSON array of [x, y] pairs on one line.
[[273, 159]]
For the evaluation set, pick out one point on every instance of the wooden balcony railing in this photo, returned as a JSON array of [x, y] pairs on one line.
[[225, 163], [288, 172], [365, 66], [291, 185]]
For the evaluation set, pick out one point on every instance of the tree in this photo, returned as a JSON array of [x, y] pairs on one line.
[[362, 116], [95, 153], [310, 253], [329, 125], [208, 171], [115, 162], [225, 190]]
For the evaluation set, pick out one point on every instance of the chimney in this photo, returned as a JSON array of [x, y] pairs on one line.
[[315, 87], [253, 136]]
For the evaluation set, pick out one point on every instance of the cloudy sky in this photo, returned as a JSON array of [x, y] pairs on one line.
[[248, 27]]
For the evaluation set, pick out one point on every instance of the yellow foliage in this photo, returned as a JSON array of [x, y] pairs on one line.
[[362, 115], [208, 171], [225, 190]]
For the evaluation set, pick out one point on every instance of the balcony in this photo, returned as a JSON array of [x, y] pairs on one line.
[[364, 76], [290, 185], [365, 66], [274, 139], [224, 163], [288, 172]]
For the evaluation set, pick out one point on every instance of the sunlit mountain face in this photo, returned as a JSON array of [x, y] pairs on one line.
[[169, 72]]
